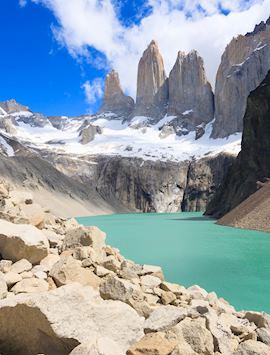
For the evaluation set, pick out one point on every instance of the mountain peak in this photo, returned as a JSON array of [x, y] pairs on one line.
[[114, 98]]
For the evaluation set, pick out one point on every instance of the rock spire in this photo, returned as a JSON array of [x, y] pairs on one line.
[[114, 99]]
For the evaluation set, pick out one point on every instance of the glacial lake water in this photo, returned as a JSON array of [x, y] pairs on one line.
[[192, 249]]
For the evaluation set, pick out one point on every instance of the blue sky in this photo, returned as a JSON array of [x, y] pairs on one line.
[[56, 53]]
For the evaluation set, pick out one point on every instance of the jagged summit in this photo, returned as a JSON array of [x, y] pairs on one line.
[[114, 98], [189, 89], [152, 85], [11, 106], [259, 27]]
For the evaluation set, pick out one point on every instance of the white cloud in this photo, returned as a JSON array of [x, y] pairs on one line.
[[175, 24], [22, 3], [93, 90]]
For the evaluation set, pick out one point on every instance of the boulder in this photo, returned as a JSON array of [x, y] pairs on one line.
[[119, 289], [163, 318], [153, 343], [49, 261], [99, 346], [150, 281], [84, 236], [252, 347], [33, 213], [68, 270], [22, 241], [262, 320], [195, 333], [32, 285], [56, 322], [21, 266], [12, 278], [264, 335], [111, 263]]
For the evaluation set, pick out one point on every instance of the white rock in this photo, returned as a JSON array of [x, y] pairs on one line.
[[150, 281], [22, 241], [30, 286], [21, 266], [252, 347], [163, 318], [33, 213], [99, 346], [71, 314], [19, 197], [48, 262], [12, 278], [84, 236], [68, 270]]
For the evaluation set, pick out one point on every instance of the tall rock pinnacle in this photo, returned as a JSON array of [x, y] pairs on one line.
[[114, 99], [244, 65], [189, 90], [152, 85]]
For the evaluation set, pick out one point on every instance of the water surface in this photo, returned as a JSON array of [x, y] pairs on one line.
[[192, 249]]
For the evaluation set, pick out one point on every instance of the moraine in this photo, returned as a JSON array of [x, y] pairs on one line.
[[193, 249]]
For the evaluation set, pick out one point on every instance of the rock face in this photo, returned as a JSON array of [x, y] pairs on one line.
[[153, 186], [190, 94], [114, 99], [152, 85], [244, 65], [252, 164]]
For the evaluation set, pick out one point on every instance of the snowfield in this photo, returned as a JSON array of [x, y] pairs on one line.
[[128, 139]]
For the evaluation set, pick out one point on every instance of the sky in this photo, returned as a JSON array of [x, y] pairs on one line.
[[55, 54]]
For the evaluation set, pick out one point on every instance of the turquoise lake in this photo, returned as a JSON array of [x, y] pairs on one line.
[[192, 249]]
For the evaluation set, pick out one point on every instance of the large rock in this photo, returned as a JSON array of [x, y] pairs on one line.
[[244, 65], [153, 343], [99, 346], [163, 318], [31, 285], [34, 213], [22, 241], [56, 322], [152, 85], [68, 270], [189, 90], [84, 236], [195, 333], [252, 347], [119, 289], [114, 99]]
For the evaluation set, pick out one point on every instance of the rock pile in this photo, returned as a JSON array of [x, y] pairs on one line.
[[64, 291]]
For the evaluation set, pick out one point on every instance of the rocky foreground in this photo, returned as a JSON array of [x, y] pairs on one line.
[[64, 291]]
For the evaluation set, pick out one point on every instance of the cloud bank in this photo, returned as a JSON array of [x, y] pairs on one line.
[[174, 24]]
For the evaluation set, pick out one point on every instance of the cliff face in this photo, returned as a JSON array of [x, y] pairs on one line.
[[189, 90], [252, 164], [244, 65], [149, 186], [152, 85], [114, 99]]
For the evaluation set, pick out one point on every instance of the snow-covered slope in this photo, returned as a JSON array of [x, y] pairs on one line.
[[137, 138]]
